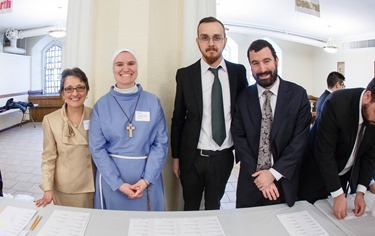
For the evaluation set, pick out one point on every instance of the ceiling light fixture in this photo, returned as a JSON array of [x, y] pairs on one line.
[[330, 47], [58, 31]]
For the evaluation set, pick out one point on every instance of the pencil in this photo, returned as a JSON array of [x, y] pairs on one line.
[[35, 223]]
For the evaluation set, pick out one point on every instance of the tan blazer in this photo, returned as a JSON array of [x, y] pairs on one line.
[[66, 160]]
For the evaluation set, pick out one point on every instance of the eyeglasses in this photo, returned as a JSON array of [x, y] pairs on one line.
[[78, 89], [343, 85], [215, 38]]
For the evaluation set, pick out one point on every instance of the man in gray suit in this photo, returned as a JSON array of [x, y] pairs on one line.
[[277, 181]]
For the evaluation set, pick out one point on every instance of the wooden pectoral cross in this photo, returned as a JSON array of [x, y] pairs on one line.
[[130, 129]]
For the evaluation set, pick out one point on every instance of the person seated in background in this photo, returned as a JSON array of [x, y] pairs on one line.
[[1, 185], [335, 81]]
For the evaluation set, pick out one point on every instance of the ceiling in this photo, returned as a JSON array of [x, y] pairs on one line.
[[344, 20], [30, 14]]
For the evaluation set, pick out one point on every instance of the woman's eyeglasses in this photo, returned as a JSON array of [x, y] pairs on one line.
[[71, 89]]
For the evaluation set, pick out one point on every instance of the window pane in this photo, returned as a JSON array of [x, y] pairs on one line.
[[52, 71]]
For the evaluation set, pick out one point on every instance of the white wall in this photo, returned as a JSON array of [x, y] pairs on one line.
[[309, 66], [14, 78]]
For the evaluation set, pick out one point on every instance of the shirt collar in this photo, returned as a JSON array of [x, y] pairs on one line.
[[205, 66], [274, 89]]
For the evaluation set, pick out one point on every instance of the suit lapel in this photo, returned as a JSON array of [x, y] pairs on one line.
[[254, 108], [196, 77], [283, 98], [232, 85]]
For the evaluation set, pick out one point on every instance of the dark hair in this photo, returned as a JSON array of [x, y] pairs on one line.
[[258, 45], [210, 19], [371, 88], [74, 72], [333, 78]]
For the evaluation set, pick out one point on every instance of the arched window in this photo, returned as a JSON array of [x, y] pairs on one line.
[[279, 54], [230, 51], [52, 69]]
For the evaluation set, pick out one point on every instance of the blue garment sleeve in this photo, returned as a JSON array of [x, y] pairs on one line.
[[98, 149]]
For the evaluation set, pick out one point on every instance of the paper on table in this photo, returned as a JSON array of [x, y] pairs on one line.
[[65, 223], [349, 207], [301, 223], [13, 220], [176, 226]]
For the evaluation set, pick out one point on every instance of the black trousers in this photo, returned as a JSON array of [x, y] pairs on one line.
[[210, 174]]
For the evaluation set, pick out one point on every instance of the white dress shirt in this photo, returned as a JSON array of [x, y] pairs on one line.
[[205, 138]]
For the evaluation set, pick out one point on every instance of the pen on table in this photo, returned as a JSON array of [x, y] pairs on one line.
[[35, 223]]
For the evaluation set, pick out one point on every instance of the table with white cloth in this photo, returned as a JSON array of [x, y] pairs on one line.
[[246, 221], [362, 226]]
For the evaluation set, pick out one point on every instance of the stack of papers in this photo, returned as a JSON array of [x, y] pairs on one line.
[[301, 223], [349, 207], [176, 226], [13, 220], [65, 223]]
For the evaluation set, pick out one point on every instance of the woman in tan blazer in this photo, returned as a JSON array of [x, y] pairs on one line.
[[67, 167]]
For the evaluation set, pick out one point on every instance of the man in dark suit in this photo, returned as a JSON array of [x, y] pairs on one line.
[[342, 155], [277, 182], [335, 81], [202, 163]]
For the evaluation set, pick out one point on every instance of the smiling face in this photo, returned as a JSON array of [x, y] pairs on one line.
[[264, 67], [125, 70], [212, 48], [74, 98]]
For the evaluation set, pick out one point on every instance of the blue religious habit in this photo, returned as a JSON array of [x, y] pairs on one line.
[[128, 140]]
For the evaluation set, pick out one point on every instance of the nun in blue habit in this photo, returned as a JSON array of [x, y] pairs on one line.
[[128, 141]]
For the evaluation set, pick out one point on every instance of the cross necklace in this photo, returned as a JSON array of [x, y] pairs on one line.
[[130, 126]]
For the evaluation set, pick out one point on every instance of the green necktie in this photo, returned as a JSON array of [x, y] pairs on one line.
[[217, 110]]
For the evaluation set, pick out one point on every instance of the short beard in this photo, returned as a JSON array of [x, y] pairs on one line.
[[266, 83], [213, 59]]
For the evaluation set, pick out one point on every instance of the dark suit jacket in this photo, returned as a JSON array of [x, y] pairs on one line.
[[320, 102], [188, 108], [289, 134], [333, 136]]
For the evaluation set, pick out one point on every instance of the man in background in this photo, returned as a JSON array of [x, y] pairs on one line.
[[335, 81], [201, 142], [270, 129]]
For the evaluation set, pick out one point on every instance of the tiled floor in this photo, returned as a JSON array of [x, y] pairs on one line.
[[20, 159]]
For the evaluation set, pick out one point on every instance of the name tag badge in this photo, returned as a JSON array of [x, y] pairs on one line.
[[86, 124], [142, 116]]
